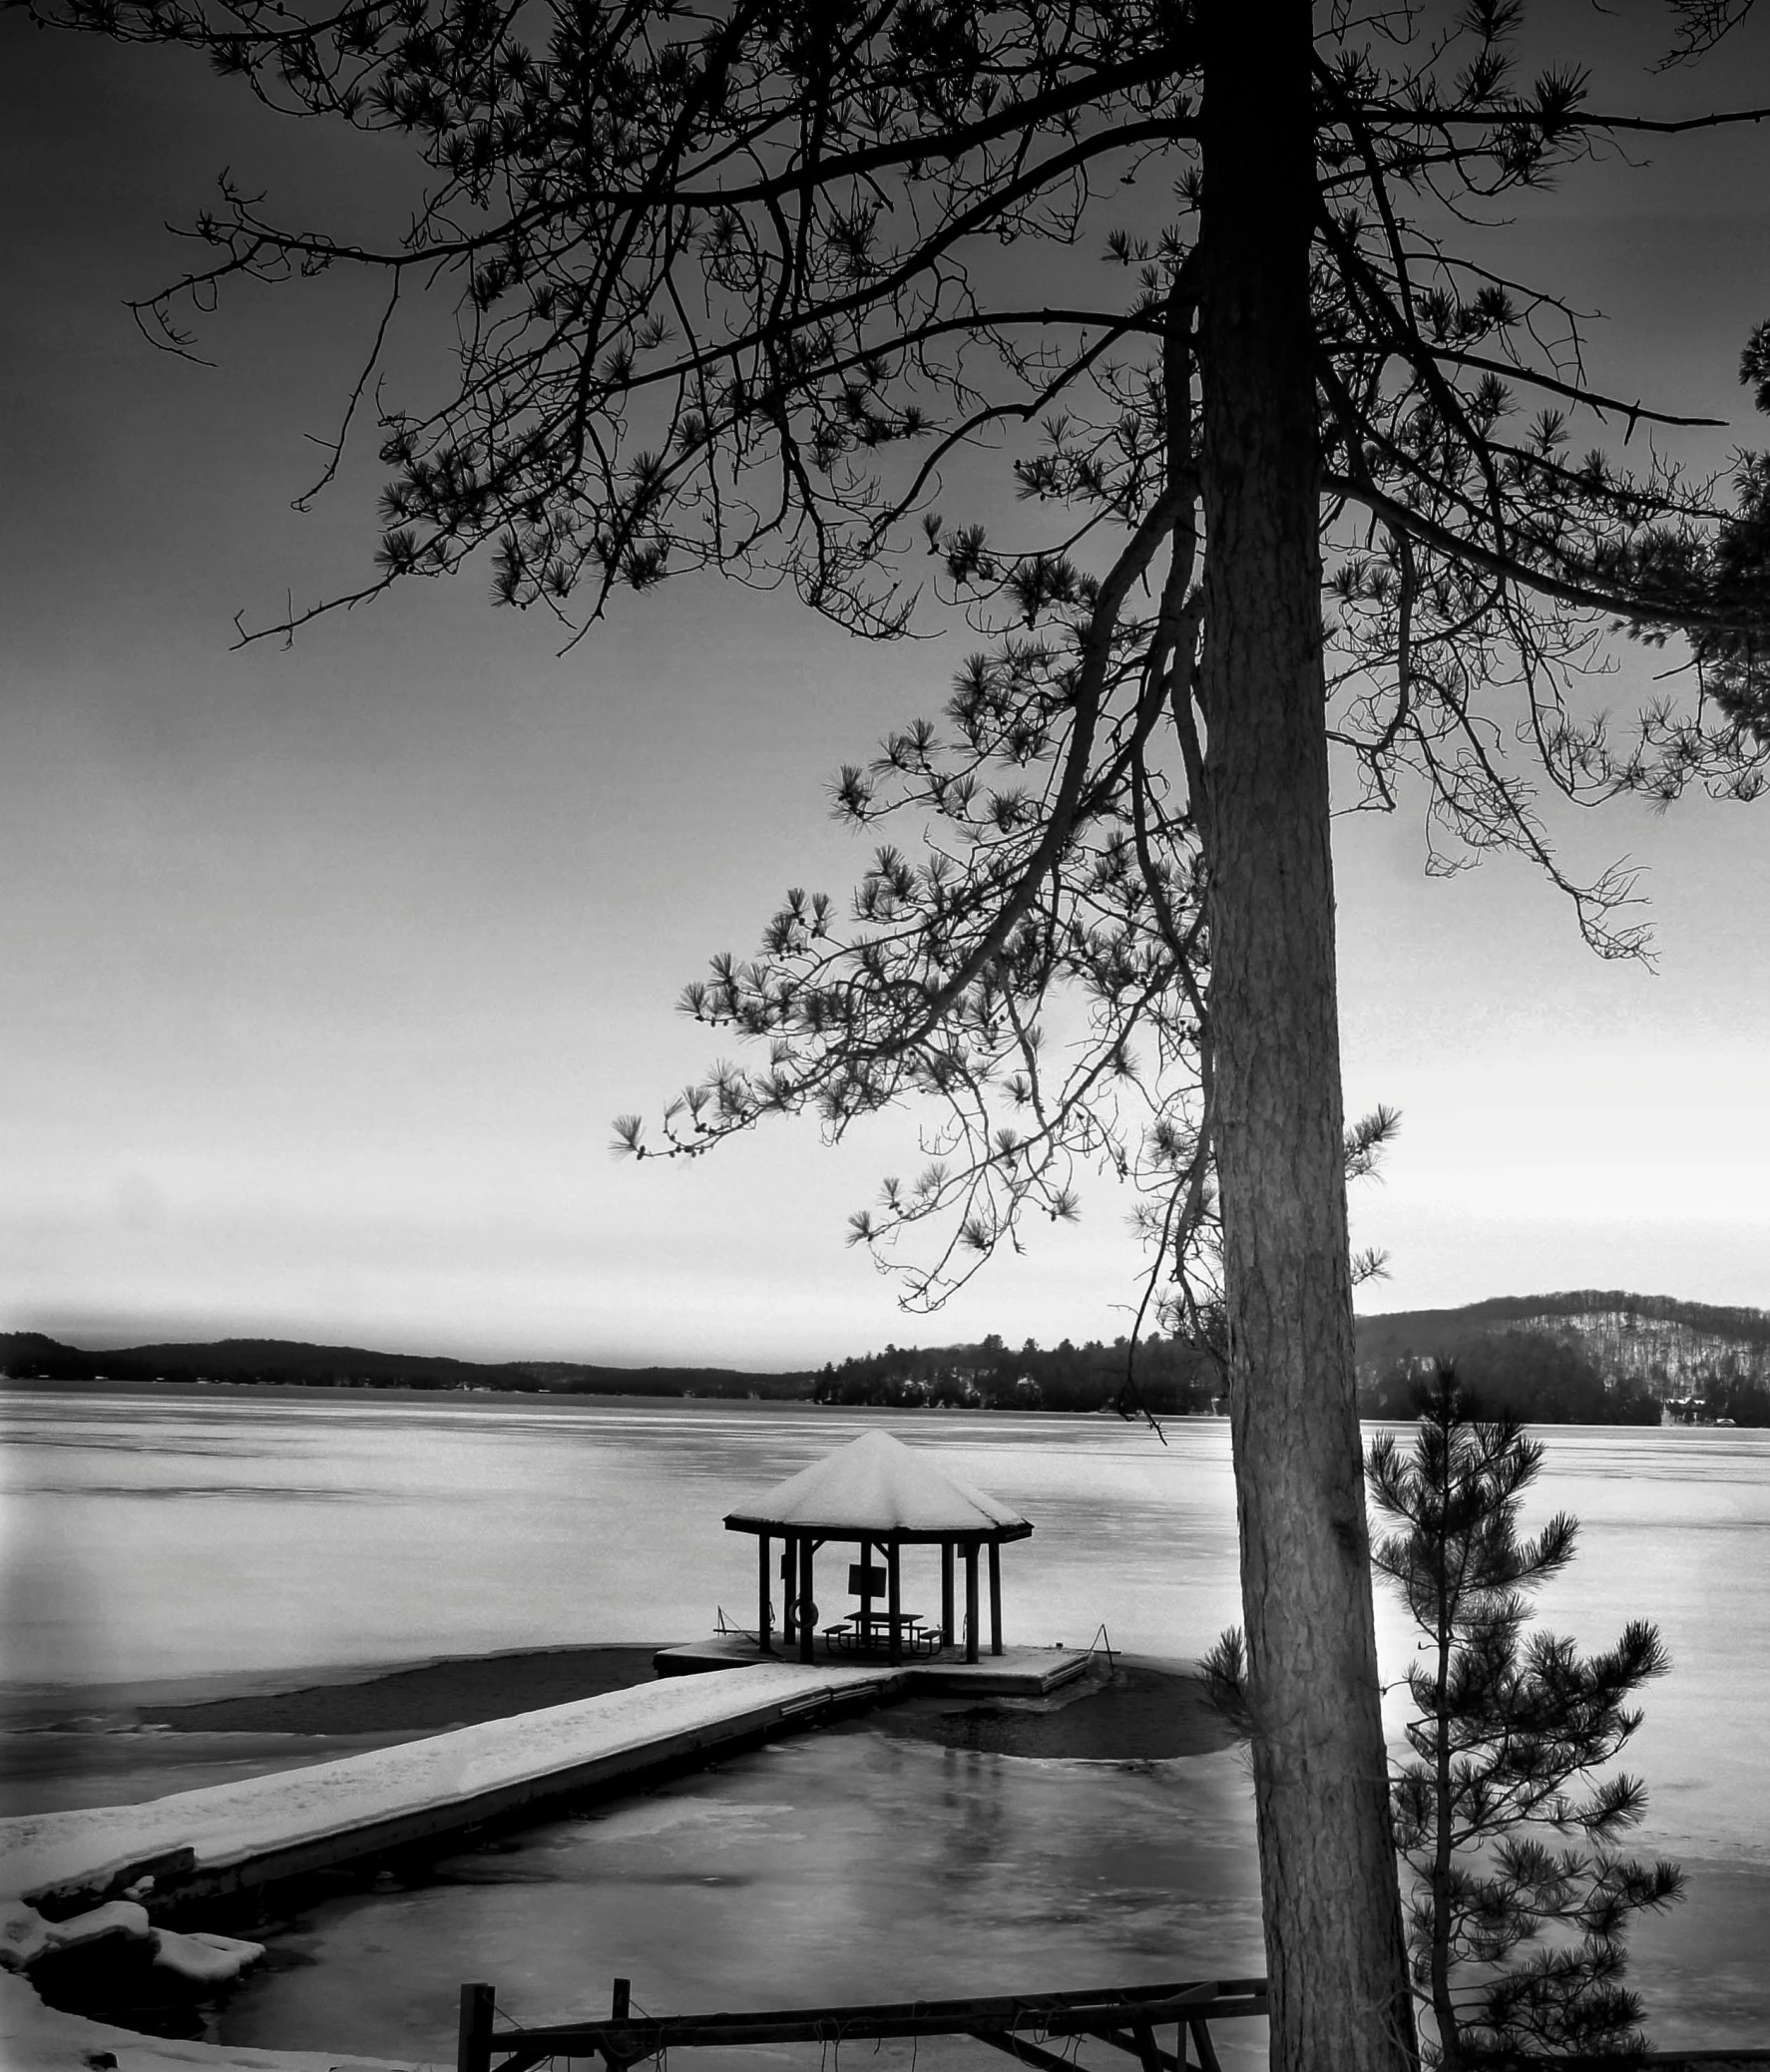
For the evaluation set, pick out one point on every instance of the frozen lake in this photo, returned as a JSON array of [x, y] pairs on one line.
[[224, 1531], [220, 1539], [846, 1866]]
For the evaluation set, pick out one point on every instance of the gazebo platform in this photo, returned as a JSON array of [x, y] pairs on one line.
[[1015, 1673]]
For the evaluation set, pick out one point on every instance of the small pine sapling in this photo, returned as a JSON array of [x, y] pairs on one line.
[[1520, 1903]]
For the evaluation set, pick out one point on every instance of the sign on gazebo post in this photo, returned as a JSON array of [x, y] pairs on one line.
[[878, 1492]]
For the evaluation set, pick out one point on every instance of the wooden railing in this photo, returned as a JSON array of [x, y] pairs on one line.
[[1126, 2017], [1021, 2025]]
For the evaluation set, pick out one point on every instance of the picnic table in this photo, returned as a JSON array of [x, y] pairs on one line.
[[866, 1632]]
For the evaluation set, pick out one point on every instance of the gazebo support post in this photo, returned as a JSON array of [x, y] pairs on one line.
[[946, 1621], [808, 1606], [971, 1601], [995, 1598], [894, 1599], [789, 1589], [763, 1579]]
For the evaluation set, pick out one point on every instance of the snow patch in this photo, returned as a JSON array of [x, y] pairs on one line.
[[202, 1958]]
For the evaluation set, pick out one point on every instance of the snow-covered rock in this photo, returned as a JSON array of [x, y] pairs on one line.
[[26, 1937]]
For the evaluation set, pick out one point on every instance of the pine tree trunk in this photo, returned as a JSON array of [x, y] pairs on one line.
[[1328, 1868]]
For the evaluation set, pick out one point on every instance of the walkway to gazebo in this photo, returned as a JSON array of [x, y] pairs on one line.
[[878, 1495]]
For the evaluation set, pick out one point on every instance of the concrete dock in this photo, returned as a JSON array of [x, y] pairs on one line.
[[226, 1839]]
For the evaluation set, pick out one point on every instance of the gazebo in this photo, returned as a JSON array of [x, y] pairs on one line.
[[880, 1495]]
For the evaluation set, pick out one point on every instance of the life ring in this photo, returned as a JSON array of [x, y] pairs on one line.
[[804, 1613]]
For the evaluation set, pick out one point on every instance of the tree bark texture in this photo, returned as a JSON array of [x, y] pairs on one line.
[[1334, 1944]]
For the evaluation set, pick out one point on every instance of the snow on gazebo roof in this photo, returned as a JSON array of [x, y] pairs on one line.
[[877, 1485]]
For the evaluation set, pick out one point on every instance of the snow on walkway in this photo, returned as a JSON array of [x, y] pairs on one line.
[[231, 1824], [224, 1825]]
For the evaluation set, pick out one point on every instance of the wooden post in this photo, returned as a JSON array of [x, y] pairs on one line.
[[621, 2004], [946, 1621], [473, 2048], [807, 1612], [894, 1599], [866, 1590], [789, 1589], [763, 1580], [971, 1601], [995, 1598]]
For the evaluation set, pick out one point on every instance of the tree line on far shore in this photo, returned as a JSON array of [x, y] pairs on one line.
[[285, 1362], [1168, 1377], [1532, 1375], [1526, 1375], [1541, 1376]]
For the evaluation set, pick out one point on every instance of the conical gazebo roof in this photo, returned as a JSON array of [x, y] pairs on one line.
[[877, 1486]]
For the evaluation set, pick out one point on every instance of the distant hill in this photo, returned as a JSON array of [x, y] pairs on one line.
[[263, 1362], [1634, 1351], [1683, 1353], [981, 1377]]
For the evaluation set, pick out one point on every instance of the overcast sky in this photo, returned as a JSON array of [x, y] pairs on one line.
[[323, 972]]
